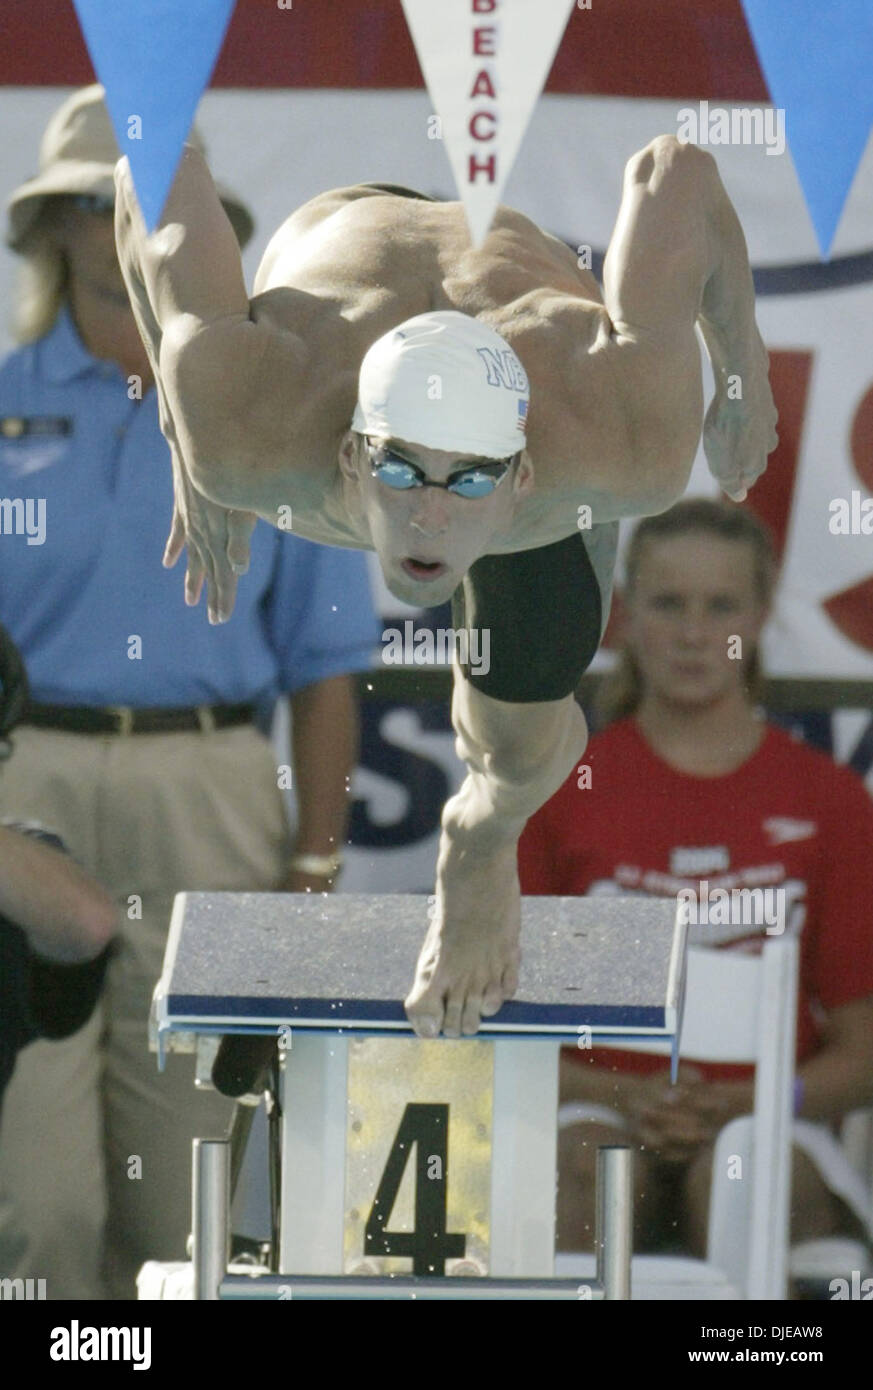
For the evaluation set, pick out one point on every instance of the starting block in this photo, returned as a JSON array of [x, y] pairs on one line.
[[404, 1161]]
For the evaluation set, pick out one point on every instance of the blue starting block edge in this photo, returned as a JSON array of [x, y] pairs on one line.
[[387, 1016], [298, 1288], [253, 962]]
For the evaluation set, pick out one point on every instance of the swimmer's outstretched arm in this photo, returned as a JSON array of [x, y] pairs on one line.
[[678, 257], [189, 299], [189, 267], [629, 381]]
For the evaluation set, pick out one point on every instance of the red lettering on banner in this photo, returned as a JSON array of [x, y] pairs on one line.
[[482, 166], [862, 439], [483, 86], [482, 37], [482, 116], [852, 612], [852, 609], [484, 6], [771, 497]]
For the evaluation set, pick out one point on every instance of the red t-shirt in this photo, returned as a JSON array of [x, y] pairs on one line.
[[789, 819]]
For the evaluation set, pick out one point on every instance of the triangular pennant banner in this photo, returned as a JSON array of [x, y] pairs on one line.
[[154, 57], [485, 63], [817, 59]]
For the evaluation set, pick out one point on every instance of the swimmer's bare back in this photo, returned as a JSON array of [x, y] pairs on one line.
[[257, 394]]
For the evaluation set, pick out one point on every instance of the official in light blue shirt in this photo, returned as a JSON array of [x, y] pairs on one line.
[[86, 501], [172, 790]]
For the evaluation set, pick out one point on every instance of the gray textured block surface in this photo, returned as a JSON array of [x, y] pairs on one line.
[[254, 960]]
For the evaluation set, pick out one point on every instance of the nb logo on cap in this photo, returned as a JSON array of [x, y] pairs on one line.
[[503, 368]]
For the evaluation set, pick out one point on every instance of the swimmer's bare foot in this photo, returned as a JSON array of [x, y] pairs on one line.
[[469, 961]]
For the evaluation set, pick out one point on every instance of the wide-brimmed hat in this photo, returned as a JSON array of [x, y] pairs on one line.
[[78, 154]]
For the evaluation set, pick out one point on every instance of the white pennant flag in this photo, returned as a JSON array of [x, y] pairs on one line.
[[485, 63]]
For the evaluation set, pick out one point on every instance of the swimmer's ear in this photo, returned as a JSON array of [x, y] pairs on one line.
[[351, 455], [523, 482]]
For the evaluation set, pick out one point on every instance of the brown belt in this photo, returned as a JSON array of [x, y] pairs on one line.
[[123, 719]]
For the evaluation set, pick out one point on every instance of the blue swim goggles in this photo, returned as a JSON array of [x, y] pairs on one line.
[[477, 480]]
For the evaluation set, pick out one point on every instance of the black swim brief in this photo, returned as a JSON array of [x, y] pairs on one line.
[[544, 610]]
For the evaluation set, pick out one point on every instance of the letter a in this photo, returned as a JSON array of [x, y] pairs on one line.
[[60, 1347], [687, 132], [838, 525], [483, 86]]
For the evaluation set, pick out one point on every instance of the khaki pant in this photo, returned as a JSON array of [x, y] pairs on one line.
[[149, 815]]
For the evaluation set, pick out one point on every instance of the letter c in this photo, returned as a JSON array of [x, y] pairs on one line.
[[478, 116]]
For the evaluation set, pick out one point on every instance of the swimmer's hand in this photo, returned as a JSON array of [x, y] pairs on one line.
[[740, 427], [217, 541]]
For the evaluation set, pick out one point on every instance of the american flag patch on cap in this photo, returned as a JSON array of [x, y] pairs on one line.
[[522, 415]]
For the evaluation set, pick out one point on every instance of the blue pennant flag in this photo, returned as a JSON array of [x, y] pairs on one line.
[[154, 58], [817, 59]]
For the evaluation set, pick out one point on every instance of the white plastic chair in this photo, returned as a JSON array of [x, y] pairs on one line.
[[738, 1008], [846, 1163]]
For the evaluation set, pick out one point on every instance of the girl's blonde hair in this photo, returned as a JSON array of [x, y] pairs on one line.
[[622, 689]]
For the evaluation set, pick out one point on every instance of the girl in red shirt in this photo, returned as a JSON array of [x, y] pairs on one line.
[[690, 788]]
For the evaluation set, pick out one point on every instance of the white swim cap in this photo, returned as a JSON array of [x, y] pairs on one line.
[[446, 381]]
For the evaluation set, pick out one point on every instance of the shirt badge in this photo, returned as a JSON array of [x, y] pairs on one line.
[[17, 426], [783, 830]]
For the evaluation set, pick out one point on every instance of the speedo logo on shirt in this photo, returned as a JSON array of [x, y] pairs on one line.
[[783, 830], [689, 862]]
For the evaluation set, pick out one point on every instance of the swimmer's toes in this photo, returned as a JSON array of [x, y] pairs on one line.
[[510, 980], [425, 1012], [472, 1015], [492, 1001], [452, 1018]]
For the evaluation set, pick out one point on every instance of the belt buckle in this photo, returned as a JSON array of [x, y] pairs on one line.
[[124, 715]]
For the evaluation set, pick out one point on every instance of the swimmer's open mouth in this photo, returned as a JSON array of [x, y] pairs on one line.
[[423, 569]]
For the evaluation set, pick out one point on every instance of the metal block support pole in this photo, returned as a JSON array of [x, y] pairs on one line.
[[210, 1215], [613, 1239]]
